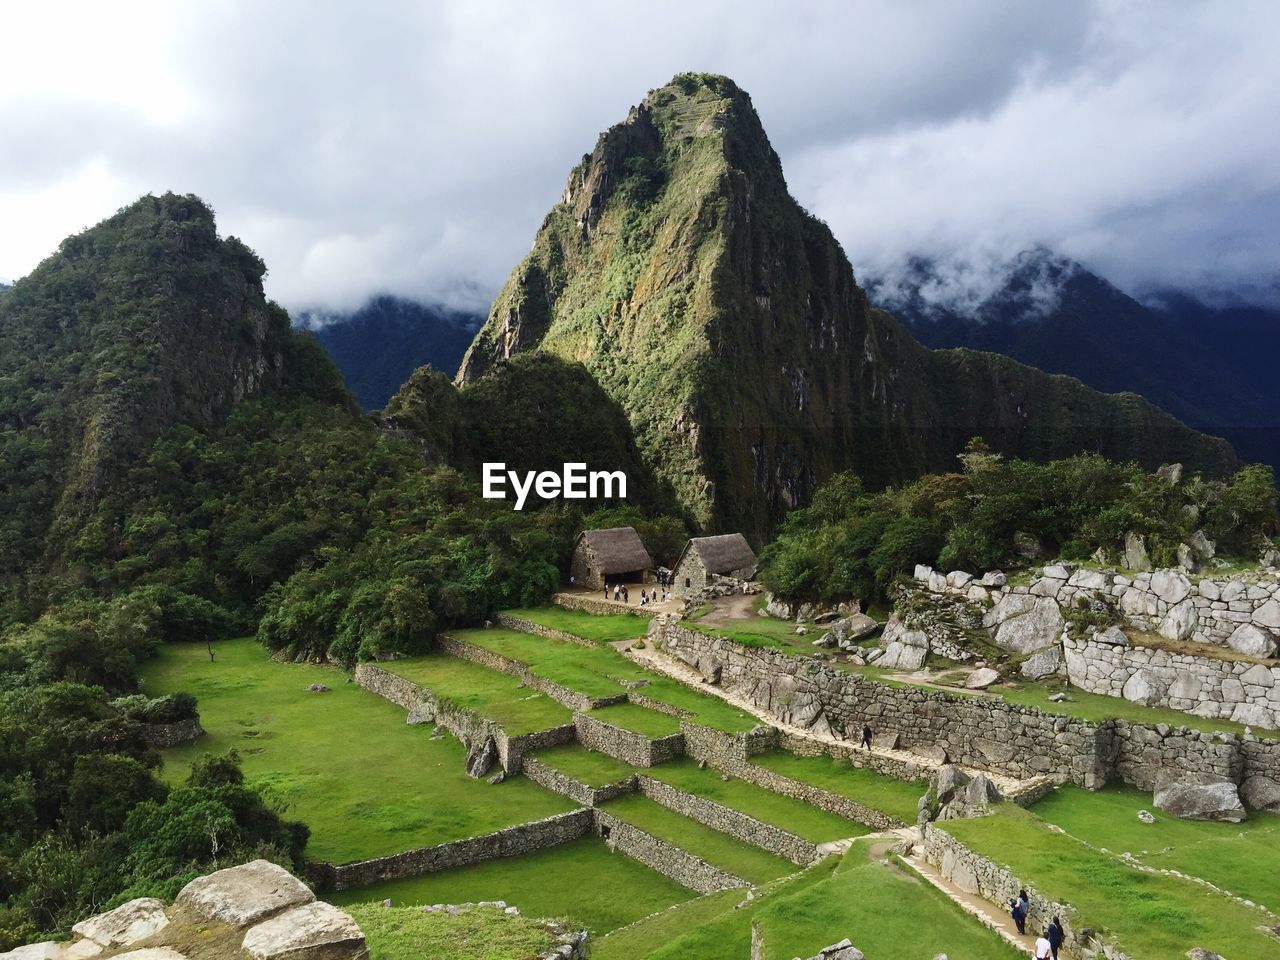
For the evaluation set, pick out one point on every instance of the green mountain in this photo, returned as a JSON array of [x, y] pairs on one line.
[[726, 322], [146, 321]]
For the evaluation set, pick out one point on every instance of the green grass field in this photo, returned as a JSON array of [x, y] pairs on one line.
[[764, 632], [1153, 916], [598, 627], [598, 672], [582, 881], [642, 720], [591, 767], [750, 863], [345, 761], [489, 693], [402, 933], [1241, 858], [795, 816], [898, 798], [641, 938]]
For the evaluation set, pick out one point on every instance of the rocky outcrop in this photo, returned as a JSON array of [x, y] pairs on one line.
[[256, 911], [1199, 797]]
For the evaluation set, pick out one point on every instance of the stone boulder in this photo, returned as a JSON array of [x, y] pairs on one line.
[[1261, 793], [1200, 953], [157, 953], [1112, 637], [1042, 663], [126, 924], [1135, 553], [931, 752], [950, 781], [1199, 797], [1038, 625], [245, 894], [1171, 586], [1180, 622], [1268, 615], [844, 950], [981, 791], [316, 931], [903, 649], [1144, 687], [981, 678], [481, 758], [854, 627], [993, 578], [885, 741], [1252, 641]]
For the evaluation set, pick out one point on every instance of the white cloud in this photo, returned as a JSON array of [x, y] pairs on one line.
[[414, 148]]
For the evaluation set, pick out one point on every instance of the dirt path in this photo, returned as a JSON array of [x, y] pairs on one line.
[[730, 611]]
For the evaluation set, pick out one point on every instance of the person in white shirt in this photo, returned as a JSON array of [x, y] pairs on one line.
[[1043, 949]]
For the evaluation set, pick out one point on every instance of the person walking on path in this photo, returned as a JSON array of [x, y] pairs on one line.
[[866, 736], [1019, 915], [1056, 936], [606, 590], [626, 597], [1043, 949]]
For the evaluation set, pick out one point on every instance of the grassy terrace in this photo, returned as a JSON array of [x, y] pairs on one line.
[[598, 672], [345, 761], [719, 849], [639, 719], [402, 933], [591, 767], [581, 880], [882, 908], [796, 816], [488, 692], [602, 628], [764, 632], [1238, 857], [898, 798], [1153, 916]]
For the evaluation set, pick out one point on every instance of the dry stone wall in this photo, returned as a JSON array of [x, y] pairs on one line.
[[512, 842], [528, 626], [682, 867], [738, 825], [1243, 691], [626, 745], [1020, 742], [577, 601], [514, 668], [559, 782], [162, 735], [975, 874]]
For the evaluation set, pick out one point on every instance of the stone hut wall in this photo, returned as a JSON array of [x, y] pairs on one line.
[[738, 825], [626, 745], [684, 868], [583, 567], [690, 575], [512, 842]]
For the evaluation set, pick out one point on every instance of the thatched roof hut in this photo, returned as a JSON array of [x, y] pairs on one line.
[[728, 555], [616, 554]]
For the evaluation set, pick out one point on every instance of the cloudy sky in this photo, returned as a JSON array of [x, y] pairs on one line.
[[414, 148]]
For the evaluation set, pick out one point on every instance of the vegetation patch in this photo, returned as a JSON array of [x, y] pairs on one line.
[[1232, 856], [644, 936], [787, 813], [582, 881], [1151, 915], [367, 783], [638, 719], [719, 849], [898, 798]]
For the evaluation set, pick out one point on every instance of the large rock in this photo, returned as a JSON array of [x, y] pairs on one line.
[[48, 950], [951, 779], [1143, 687], [1199, 797], [981, 678], [1180, 622], [1261, 793], [1268, 615], [981, 791], [1042, 663], [1170, 586], [315, 931], [245, 894], [152, 953], [844, 950], [854, 627], [482, 757], [903, 649], [1252, 641], [1135, 553], [1039, 627], [126, 924]]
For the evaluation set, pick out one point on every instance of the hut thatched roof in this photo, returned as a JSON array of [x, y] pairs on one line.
[[722, 554], [617, 550]]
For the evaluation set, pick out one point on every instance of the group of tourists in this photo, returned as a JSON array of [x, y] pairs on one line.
[[1048, 944], [621, 594]]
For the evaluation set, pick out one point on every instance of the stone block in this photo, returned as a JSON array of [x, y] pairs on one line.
[[314, 931], [245, 894], [126, 924]]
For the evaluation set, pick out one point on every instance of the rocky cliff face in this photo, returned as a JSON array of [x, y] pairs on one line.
[[727, 323]]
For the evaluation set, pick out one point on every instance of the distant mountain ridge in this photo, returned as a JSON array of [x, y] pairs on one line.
[[1208, 366], [378, 346], [727, 323]]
